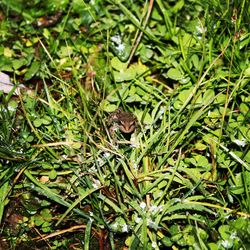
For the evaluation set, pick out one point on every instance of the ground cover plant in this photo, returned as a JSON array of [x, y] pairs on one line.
[[181, 180]]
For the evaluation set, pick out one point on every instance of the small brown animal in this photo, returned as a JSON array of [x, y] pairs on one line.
[[126, 122]]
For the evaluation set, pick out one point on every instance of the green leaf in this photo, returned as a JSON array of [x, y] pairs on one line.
[[46, 120], [221, 98], [195, 61], [3, 194], [146, 53], [45, 213], [38, 123], [117, 64], [39, 220], [247, 72], [244, 109], [35, 66], [183, 96], [18, 63], [87, 236], [139, 68], [120, 48], [46, 227], [202, 161], [174, 74], [147, 119], [125, 75], [209, 94], [200, 146], [65, 52], [52, 174], [224, 231], [8, 52]]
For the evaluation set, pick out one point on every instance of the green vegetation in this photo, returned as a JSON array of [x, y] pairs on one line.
[[182, 181]]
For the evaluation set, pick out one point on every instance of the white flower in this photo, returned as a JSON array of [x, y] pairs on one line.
[[155, 209], [134, 141], [106, 154], [201, 29], [226, 244], [10, 108], [121, 47], [143, 205], [100, 161], [135, 166], [241, 143], [96, 184], [92, 169], [152, 224], [124, 228], [233, 235], [177, 200], [115, 226], [116, 39], [154, 244], [138, 220]]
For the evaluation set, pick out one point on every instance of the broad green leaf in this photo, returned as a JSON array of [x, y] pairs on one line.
[[184, 94], [117, 64], [38, 122], [35, 66], [200, 146], [225, 231], [65, 52], [8, 52], [38, 219], [202, 161], [18, 63], [125, 75], [195, 61], [174, 74], [209, 94], [52, 174], [139, 68], [247, 72], [46, 120], [46, 214], [221, 98], [244, 108], [146, 54], [147, 119]]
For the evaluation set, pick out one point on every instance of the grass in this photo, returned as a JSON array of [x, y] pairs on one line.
[[181, 181]]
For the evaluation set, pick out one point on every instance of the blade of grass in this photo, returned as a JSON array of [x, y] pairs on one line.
[[167, 19], [44, 190], [87, 235], [51, 151], [191, 122], [170, 180], [135, 21], [138, 39], [3, 193], [196, 87], [235, 157], [82, 196], [111, 204]]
